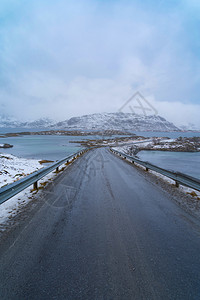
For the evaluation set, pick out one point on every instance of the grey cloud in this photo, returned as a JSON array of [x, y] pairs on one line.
[[66, 58]]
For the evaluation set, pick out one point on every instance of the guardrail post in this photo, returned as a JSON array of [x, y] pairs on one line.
[[133, 161], [57, 169], [147, 169], [35, 185], [176, 183]]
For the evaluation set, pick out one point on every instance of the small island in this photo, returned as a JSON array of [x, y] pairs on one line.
[[6, 146]]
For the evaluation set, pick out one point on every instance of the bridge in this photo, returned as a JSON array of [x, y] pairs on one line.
[[103, 230]]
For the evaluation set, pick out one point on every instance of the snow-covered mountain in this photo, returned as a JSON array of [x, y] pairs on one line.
[[10, 122], [6, 121], [101, 121], [117, 121], [40, 123], [190, 126]]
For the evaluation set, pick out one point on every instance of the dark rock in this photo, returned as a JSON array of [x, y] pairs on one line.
[[6, 146]]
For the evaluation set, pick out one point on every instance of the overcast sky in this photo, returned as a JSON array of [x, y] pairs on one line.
[[66, 58]]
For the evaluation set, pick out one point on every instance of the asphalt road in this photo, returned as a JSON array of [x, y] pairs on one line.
[[103, 232]]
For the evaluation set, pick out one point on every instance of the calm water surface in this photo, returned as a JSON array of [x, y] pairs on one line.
[[41, 147], [57, 147], [51, 147], [185, 162]]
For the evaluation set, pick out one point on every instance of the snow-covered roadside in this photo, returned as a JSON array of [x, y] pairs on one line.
[[133, 148], [13, 168], [14, 165], [120, 143], [127, 147], [16, 204]]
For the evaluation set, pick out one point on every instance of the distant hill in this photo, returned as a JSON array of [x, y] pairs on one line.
[[100, 121], [8, 122], [189, 127], [117, 121]]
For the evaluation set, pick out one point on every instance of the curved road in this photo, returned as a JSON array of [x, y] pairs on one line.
[[102, 231]]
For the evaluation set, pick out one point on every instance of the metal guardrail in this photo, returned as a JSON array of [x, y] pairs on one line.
[[178, 177], [14, 188]]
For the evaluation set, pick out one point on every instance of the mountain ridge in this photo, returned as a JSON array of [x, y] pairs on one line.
[[118, 121], [6, 121], [98, 121]]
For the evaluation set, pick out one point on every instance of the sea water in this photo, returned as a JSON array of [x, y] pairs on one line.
[[184, 162], [55, 147], [52, 147]]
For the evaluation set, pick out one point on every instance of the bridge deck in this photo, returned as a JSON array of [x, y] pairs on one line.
[[102, 231]]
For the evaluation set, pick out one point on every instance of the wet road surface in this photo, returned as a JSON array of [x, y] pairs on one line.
[[103, 232]]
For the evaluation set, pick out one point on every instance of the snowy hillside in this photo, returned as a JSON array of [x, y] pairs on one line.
[[118, 121], [101, 121], [190, 127], [9, 122]]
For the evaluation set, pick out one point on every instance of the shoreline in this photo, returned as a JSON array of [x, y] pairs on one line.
[[66, 133]]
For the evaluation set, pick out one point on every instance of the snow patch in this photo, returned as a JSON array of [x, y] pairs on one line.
[[13, 168]]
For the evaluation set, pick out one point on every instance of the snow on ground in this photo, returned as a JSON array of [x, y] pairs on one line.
[[186, 144], [145, 142], [125, 148], [13, 168], [10, 167], [166, 146], [14, 205]]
